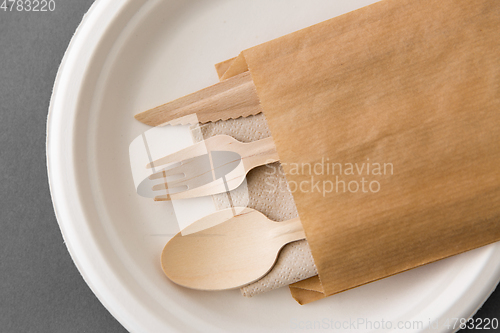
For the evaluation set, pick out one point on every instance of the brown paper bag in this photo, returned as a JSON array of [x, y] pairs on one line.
[[387, 123]]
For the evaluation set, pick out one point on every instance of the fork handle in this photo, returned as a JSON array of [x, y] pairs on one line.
[[258, 153]]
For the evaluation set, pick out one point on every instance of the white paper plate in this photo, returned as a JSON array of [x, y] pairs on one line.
[[128, 56]]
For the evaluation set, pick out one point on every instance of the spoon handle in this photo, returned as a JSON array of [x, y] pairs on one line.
[[289, 231]]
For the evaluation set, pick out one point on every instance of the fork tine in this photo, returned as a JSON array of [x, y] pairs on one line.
[[192, 181], [216, 186], [196, 171], [220, 185], [165, 197], [162, 186], [156, 175], [167, 173], [169, 190], [171, 185]]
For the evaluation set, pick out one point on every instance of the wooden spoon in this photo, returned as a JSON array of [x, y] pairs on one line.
[[210, 255]]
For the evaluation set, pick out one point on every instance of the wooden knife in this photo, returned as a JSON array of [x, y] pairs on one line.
[[229, 99]]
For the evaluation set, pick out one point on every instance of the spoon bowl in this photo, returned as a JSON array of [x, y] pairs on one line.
[[226, 253]]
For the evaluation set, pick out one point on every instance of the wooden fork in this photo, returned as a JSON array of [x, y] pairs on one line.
[[216, 165]]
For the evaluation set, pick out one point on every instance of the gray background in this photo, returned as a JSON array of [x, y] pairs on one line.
[[40, 288]]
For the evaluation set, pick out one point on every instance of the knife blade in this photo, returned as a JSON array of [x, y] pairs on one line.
[[229, 99]]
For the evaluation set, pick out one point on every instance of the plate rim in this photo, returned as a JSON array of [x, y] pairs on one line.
[[68, 81]]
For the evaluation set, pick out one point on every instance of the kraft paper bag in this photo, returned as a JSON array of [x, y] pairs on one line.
[[387, 124]]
